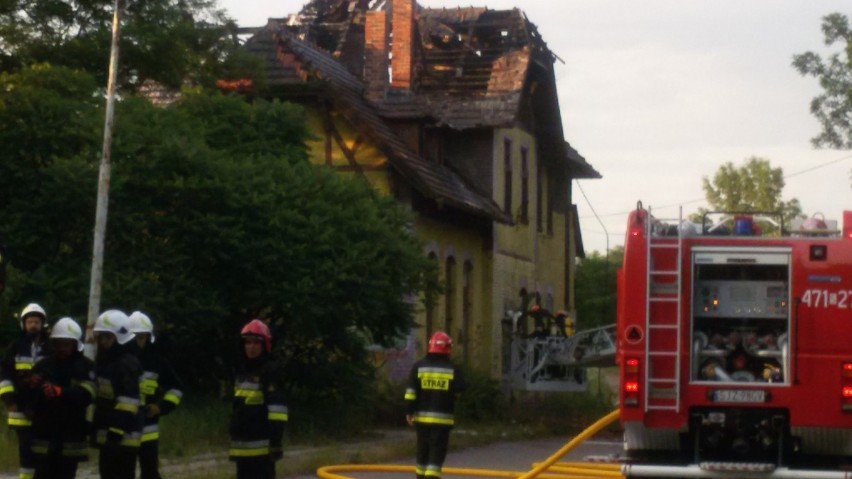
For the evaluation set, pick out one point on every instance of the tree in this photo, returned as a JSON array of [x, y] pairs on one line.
[[595, 288], [214, 219], [754, 186], [833, 108], [172, 42]]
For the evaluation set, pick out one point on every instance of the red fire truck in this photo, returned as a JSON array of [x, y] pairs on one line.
[[735, 347]]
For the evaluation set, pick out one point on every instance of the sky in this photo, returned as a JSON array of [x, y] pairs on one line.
[[657, 94]]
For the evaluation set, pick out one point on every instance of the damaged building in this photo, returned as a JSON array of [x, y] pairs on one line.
[[454, 113]]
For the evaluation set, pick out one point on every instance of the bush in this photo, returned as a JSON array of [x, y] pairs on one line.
[[482, 401]]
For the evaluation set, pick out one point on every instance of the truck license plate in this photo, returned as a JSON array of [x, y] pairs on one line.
[[739, 395]]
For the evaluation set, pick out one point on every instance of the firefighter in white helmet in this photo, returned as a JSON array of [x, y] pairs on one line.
[[117, 422], [433, 384], [17, 384], [60, 428], [161, 392]]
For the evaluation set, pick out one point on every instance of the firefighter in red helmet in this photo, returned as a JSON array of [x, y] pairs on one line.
[[259, 412], [433, 384]]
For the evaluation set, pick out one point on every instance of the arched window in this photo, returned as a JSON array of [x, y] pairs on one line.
[[430, 300], [450, 295], [467, 306]]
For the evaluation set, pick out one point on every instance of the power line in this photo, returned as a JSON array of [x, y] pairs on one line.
[[697, 200]]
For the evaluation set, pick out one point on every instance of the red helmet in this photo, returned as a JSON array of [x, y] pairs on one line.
[[259, 329], [440, 343]]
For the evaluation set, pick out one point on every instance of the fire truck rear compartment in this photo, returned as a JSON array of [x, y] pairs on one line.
[[723, 434]]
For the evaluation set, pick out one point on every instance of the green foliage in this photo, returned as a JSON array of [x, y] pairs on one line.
[[215, 217], [482, 401], [595, 288], [173, 42], [558, 413], [833, 108], [754, 186], [198, 426]]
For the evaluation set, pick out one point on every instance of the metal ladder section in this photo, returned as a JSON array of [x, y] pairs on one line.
[[664, 258]]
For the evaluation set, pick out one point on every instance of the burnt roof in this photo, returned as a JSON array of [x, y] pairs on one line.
[[432, 180]]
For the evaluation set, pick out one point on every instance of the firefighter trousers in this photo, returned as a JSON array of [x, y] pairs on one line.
[[149, 460], [56, 467], [262, 467], [117, 462], [432, 444], [26, 458]]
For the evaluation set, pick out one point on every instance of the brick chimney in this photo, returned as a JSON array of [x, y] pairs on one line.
[[402, 26], [376, 53]]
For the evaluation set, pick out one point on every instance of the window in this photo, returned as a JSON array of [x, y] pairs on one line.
[[430, 300], [467, 304], [507, 176], [539, 196], [525, 187], [549, 211], [450, 303]]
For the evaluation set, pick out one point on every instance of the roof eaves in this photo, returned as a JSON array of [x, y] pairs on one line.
[[578, 166]]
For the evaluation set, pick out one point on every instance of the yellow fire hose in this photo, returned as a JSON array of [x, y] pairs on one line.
[[567, 470]]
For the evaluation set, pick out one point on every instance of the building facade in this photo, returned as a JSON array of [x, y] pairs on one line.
[[455, 114]]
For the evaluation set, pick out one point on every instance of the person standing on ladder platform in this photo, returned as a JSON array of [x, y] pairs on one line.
[[433, 384]]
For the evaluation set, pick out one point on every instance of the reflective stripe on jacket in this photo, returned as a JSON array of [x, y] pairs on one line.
[[259, 411], [433, 384]]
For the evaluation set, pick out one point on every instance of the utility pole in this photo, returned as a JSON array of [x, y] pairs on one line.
[[103, 179]]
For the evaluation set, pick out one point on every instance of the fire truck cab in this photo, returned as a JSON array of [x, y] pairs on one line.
[[734, 344]]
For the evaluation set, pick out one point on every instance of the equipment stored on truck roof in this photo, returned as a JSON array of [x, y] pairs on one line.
[[734, 344]]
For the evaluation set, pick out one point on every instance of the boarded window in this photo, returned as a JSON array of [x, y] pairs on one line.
[[507, 176], [525, 186]]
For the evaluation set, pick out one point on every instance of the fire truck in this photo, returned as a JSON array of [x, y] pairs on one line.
[[734, 346]]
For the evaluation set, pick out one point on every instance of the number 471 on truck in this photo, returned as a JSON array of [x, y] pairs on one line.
[[735, 346]]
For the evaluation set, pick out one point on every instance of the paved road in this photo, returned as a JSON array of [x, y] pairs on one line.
[[510, 456], [514, 456]]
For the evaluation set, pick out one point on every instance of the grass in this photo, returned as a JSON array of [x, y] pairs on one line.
[[194, 438], [8, 447]]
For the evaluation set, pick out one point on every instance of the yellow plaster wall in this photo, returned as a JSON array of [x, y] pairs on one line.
[[524, 258], [463, 244]]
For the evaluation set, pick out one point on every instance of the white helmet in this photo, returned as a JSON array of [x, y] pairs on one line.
[[115, 322], [141, 323], [33, 309], [67, 328]]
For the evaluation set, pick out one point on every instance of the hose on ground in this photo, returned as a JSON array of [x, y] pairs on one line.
[[549, 469]]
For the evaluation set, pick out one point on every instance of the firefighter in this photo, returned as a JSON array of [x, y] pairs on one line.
[[433, 385], [117, 420], [60, 428], [161, 393], [259, 410], [564, 324], [15, 377]]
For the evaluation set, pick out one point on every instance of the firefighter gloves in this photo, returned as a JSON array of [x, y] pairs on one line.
[[51, 391]]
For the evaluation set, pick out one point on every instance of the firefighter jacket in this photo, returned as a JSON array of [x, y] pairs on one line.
[[433, 384], [160, 386], [118, 417], [16, 374], [60, 427], [259, 411]]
